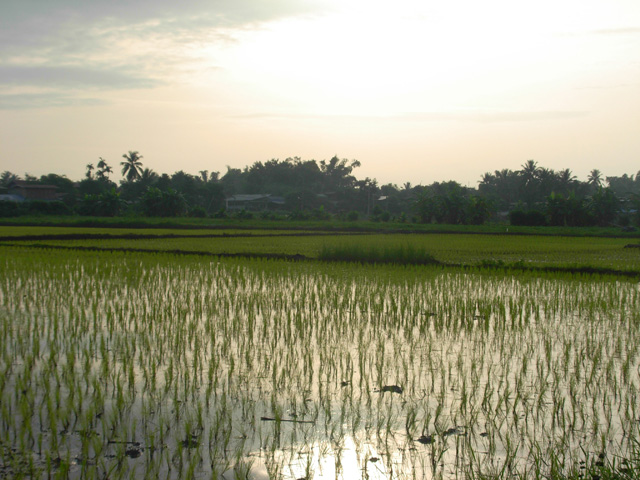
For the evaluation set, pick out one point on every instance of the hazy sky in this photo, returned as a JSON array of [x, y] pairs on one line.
[[417, 90]]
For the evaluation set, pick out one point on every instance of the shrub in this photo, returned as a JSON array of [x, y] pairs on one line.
[[243, 215], [10, 209], [529, 218], [40, 207], [222, 213], [198, 212]]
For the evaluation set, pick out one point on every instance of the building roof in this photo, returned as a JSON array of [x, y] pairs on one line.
[[29, 185], [255, 198], [248, 198]]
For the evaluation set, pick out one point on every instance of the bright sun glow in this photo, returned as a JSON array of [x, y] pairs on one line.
[[234, 82], [367, 58]]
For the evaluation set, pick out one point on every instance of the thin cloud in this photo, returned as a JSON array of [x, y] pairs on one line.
[[483, 117], [74, 45], [44, 100], [71, 77], [31, 22], [492, 117], [617, 31], [603, 32]]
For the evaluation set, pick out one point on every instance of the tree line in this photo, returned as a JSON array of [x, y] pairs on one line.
[[308, 189]]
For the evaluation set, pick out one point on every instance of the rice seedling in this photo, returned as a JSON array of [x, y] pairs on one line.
[[179, 367]]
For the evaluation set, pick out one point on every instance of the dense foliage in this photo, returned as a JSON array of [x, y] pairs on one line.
[[308, 189]]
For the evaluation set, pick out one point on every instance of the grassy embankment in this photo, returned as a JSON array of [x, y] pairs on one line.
[[310, 225]]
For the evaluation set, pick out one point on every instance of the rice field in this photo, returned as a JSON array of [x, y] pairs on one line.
[[116, 365], [456, 249]]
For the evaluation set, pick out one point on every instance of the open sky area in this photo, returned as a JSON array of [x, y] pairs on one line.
[[416, 90]]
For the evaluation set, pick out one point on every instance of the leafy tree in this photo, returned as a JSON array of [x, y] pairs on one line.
[[151, 202], [174, 203], [212, 195], [529, 218], [133, 191], [367, 190], [450, 202], [566, 210], [93, 186], [478, 210], [148, 177], [109, 203], [634, 202], [624, 185], [43, 207], [502, 188], [337, 172], [64, 185], [10, 209], [156, 203], [424, 205], [548, 181], [7, 177], [105, 204], [604, 206], [233, 181]]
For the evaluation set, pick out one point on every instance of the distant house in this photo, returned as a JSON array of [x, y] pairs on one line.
[[256, 202], [33, 191]]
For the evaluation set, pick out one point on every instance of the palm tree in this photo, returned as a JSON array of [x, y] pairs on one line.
[[487, 185], [132, 166], [148, 177], [529, 171], [488, 179], [595, 178], [547, 179], [565, 179], [530, 178], [103, 169]]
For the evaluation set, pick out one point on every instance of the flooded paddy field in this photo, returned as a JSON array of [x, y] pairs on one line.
[[116, 365]]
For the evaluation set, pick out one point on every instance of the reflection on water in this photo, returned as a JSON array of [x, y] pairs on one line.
[[178, 368], [348, 460]]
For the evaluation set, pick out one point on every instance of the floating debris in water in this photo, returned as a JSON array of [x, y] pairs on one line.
[[392, 389]]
